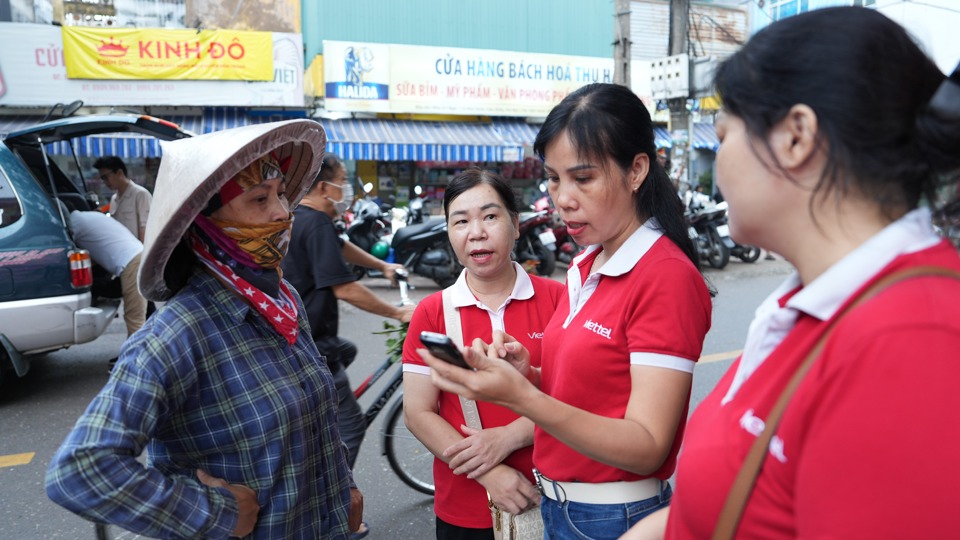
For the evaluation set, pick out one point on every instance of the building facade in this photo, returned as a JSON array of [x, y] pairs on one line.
[[396, 148]]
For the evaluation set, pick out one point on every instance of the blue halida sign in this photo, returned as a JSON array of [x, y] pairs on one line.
[[358, 63]]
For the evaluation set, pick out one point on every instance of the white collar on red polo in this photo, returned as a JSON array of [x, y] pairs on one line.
[[823, 296], [632, 250], [463, 296]]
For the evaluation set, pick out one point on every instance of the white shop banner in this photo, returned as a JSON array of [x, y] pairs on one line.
[[32, 73], [449, 80]]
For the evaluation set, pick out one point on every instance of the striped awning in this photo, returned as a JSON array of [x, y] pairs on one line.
[[397, 140], [367, 139], [661, 136], [523, 133], [517, 131], [705, 137]]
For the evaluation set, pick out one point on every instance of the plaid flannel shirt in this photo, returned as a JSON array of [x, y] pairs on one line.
[[208, 384]]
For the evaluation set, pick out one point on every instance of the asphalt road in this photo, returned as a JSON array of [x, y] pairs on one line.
[[36, 412]]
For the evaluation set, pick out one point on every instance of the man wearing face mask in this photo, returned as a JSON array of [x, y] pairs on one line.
[[316, 266]]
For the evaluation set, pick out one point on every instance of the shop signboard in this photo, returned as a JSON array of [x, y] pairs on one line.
[[357, 76], [158, 53], [32, 61], [448, 80]]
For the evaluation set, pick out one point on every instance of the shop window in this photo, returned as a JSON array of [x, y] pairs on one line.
[[781, 9]]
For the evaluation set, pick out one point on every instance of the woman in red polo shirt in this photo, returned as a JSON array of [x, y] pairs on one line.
[[835, 127], [493, 293], [611, 401]]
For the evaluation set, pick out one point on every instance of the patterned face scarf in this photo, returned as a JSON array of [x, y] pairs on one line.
[[265, 244]]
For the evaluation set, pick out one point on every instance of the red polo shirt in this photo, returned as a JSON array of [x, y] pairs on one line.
[[648, 305], [459, 500], [868, 446]]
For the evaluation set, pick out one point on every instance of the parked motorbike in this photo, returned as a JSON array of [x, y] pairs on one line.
[[535, 249], [415, 210], [703, 224], [369, 231], [744, 252], [425, 250], [566, 248], [421, 246], [946, 222]]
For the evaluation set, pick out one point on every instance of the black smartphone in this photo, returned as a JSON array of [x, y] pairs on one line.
[[443, 348]]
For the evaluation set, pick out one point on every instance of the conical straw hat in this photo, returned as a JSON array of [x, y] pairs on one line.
[[193, 170]]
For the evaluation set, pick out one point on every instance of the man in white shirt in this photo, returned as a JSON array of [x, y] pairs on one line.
[[114, 248], [130, 204]]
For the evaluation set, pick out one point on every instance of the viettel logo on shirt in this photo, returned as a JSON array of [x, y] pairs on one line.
[[754, 425], [598, 328]]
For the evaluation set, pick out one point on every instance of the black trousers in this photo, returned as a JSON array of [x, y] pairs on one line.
[[340, 353], [446, 531]]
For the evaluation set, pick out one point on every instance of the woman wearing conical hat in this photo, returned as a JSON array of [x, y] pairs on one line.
[[223, 386]]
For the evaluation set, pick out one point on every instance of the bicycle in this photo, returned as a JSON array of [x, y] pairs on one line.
[[407, 456], [410, 460]]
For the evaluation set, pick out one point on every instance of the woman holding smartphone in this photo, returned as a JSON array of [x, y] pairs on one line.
[[493, 293], [610, 404], [836, 131]]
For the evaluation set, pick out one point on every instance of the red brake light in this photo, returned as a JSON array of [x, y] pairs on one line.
[[81, 269], [160, 121]]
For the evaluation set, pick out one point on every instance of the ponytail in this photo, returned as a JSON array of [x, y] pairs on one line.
[[657, 198]]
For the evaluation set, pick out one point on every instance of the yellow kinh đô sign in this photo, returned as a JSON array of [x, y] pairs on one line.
[[138, 53]]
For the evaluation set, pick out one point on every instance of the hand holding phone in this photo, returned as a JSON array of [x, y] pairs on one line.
[[443, 348]]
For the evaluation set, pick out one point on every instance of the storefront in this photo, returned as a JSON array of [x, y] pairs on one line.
[[703, 161], [491, 102], [392, 157]]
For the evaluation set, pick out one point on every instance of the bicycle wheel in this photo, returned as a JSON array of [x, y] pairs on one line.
[[110, 532], [408, 457]]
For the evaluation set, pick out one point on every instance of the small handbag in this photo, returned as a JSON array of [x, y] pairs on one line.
[[525, 526], [739, 493], [506, 526]]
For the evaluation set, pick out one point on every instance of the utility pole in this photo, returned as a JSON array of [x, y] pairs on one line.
[[680, 118], [679, 26], [621, 47]]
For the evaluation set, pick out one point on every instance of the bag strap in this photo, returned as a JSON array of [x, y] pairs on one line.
[[451, 319], [743, 484]]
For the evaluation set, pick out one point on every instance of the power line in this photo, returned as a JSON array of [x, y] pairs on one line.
[[718, 26], [759, 6]]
